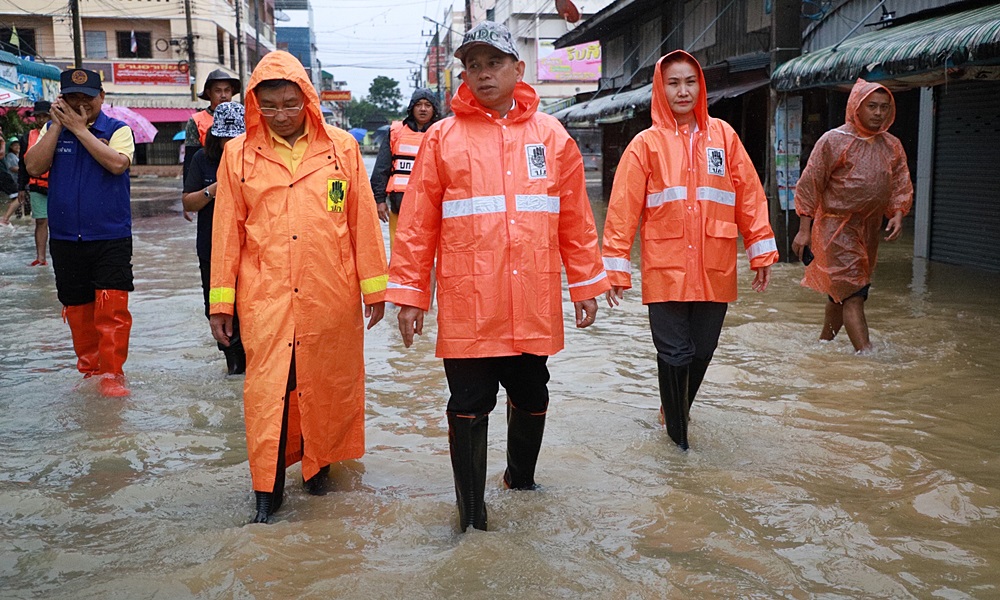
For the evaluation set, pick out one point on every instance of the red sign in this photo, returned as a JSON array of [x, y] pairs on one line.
[[335, 95], [136, 73]]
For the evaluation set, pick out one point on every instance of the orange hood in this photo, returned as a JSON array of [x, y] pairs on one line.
[[662, 115], [281, 65], [861, 90]]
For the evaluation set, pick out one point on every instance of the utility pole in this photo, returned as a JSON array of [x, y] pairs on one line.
[[192, 68], [74, 10], [240, 44], [786, 44], [256, 30]]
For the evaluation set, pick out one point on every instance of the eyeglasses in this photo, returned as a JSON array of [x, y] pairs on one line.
[[292, 111]]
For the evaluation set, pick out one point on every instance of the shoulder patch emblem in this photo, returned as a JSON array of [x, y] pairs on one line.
[[535, 154]]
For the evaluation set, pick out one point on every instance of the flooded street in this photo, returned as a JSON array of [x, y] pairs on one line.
[[814, 473]]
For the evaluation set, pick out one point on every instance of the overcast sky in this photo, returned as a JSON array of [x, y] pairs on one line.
[[359, 40]]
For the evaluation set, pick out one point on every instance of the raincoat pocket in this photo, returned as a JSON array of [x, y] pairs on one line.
[[720, 245], [549, 267], [456, 297], [663, 244]]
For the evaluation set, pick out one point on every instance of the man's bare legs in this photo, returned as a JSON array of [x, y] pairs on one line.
[[833, 320], [41, 239], [851, 316], [856, 324]]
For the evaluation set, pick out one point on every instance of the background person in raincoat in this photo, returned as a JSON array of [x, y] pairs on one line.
[[296, 242], [691, 184], [200, 186], [395, 159], [498, 194], [856, 175]]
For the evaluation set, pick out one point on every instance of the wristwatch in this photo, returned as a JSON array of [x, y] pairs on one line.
[[207, 195]]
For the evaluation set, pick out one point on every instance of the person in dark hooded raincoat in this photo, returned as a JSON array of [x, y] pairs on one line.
[[297, 244], [398, 153], [856, 175]]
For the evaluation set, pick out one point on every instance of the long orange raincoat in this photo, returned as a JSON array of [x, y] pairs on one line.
[[854, 177], [298, 252], [503, 204], [694, 189]]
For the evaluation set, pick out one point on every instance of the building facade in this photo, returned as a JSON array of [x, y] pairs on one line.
[[153, 56]]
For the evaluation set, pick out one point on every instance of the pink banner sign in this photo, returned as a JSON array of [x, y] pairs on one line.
[[136, 73], [576, 63]]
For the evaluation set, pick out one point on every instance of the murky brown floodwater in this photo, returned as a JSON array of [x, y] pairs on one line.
[[814, 473]]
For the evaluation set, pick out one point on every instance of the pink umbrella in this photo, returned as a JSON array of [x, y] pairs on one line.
[[143, 130]]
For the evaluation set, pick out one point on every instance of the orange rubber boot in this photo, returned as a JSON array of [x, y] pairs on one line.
[[113, 323], [85, 337]]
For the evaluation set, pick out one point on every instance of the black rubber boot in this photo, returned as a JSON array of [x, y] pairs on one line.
[[319, 484], [674, 399], [265, 507], [236, 359], [467, 442], [695, 376], [524, 440]]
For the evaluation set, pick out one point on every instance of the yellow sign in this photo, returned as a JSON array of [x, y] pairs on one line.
[[336, 195]]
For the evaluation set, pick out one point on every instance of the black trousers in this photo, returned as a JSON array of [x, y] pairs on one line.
[[81, 268], [475, 382], [206, 285], [683, 331]]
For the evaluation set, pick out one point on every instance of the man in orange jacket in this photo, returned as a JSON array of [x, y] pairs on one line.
[[498, 194], [691, 184], [296, 242]]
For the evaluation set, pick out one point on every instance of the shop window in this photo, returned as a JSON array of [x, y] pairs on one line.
[[95, 44], [134, 44]]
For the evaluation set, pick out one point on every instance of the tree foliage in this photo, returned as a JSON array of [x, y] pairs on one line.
[[358, 112], [385, 95]]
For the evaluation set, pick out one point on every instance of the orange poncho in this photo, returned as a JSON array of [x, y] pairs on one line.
[[854, 177]]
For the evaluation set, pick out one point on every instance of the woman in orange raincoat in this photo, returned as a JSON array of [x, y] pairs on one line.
[[691, 183], [297, 242], [856, 175]]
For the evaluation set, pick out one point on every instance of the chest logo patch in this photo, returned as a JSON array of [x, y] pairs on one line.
[[336, 195], [535, 154], [716, 158]]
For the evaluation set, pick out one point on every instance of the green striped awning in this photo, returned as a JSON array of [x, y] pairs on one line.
[[906, 53]]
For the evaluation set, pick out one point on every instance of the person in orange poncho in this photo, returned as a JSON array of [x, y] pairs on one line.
[[856, 175], [296, 242], [690, 182]]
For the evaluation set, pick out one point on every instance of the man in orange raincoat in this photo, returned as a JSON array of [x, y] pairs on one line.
[[498, 194], [692, 185], [856, 175], [296, 242]]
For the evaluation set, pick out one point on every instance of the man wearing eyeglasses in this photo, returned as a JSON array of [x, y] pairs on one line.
[[296, 242], [498, 194]]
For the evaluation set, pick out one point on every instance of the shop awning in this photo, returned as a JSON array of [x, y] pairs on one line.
[[166, 115], [967, 44], [616, 108]]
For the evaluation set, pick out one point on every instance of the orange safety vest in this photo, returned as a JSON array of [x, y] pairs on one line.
[[41, 181], [204, 121], [405, 144]]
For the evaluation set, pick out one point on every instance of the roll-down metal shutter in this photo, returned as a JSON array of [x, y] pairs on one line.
[[965, 206]]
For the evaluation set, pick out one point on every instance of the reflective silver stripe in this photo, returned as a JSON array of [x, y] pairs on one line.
[[618, 264], [537, 203], [603, 275], [398, 286], [473, 206], [668, 195], [408, 149], [402, 179], [761, 247], [716, 195]]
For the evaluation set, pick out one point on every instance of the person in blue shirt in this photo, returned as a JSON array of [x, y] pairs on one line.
[[87, 155]]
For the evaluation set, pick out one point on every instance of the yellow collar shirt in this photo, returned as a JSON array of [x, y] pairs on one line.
[[290, 154]]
